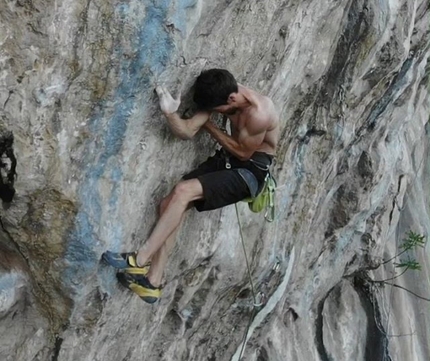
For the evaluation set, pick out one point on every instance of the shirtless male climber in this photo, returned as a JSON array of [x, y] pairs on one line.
[[221, 180]]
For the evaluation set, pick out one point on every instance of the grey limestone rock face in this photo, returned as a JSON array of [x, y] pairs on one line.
[[94, 157]]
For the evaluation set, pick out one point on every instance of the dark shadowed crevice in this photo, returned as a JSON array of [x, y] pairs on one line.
[[376, 341], [319, 322], [7, 166], [11, 255], [262, 354], [398, 81], [394, 202], [345, 204], [57, 348], [345, 57]]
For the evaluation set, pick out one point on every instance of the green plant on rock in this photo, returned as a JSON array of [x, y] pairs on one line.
[[411, 264], [413, 241]]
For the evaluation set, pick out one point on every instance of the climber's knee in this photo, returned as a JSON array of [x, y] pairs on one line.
[[187, 191]]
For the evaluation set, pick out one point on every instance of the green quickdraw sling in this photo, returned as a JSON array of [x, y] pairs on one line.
[[265, 199]]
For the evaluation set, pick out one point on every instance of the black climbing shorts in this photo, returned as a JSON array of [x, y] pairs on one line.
[[222, 186]]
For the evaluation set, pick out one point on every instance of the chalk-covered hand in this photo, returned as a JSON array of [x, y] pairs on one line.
[[168, 104]]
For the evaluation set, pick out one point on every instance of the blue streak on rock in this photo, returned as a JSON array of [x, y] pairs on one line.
[[8, 284], [153, 48], [116, 177], [180, 16]]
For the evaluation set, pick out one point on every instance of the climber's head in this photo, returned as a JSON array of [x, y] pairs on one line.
[[216, 89]]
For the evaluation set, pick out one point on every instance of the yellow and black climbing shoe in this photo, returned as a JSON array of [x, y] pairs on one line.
[[125, 262], [140, 285]]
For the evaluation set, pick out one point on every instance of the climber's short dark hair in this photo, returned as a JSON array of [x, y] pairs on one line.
[[213, 87]]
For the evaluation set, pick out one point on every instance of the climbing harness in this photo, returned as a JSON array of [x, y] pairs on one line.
[[227, 161], [261, 198]]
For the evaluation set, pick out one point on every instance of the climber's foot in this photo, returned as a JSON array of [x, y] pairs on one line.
[[126, 262], [140, 285]]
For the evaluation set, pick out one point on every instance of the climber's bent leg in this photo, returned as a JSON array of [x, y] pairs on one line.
[[127, 262], [159, 259], [184, 193]]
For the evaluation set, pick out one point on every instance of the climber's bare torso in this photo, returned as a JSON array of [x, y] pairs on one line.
[[254, 124], [261, 114]]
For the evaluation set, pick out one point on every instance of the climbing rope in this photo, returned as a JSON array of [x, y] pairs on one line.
[[244, 251], [254, 295]]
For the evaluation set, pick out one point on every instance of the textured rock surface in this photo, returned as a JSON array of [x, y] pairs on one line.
[[94, 157]]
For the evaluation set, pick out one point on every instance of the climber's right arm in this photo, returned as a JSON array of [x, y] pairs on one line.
[[182, 128], [186, 128]]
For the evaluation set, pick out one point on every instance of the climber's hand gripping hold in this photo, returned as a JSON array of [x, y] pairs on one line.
[[168, 104], [182, 128]]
